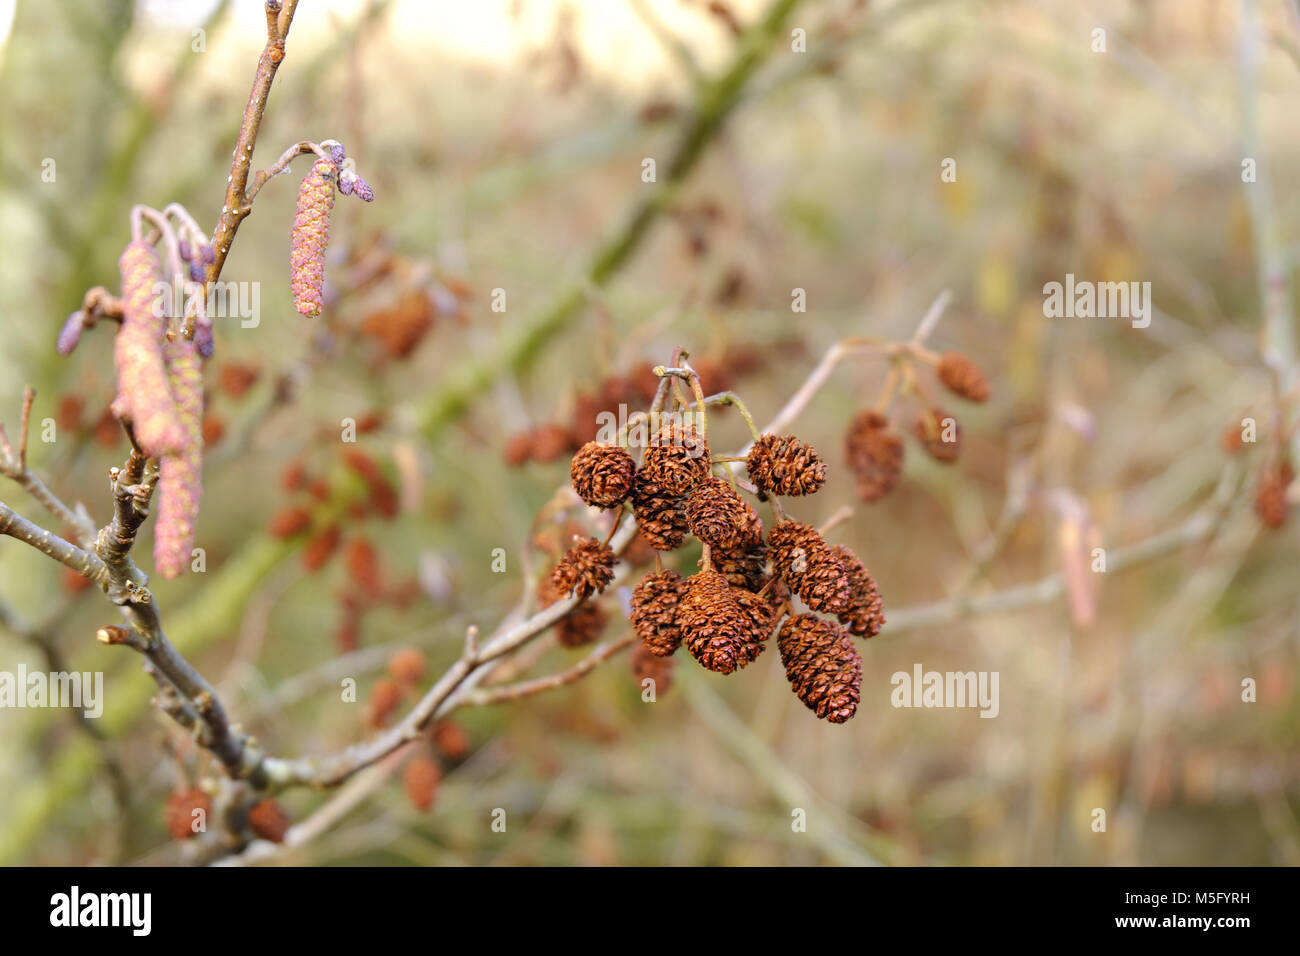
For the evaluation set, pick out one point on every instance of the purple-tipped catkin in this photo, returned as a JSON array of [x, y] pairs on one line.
[[310, 234], [203, 340], [180, 481], [347, 180], [336, 151], [70, 334], [183, 248], [209, 253], [363, 190], [143, 393]]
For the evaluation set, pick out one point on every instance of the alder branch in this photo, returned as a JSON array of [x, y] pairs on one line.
[[538, 685], [279, 17]]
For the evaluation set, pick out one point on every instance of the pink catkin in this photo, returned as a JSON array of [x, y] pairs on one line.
[[311, 227], [180, 480], [143, 394]]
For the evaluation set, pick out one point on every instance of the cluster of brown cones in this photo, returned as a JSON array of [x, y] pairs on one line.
[[725, 613], [873, 446]]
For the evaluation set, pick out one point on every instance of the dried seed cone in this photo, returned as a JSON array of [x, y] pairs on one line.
[[583, 625], [585, 569], [660, 516], [677, 459], [822, 665], [179, 816], [420, 778], [180, 479], [719, 517], [268, 820], [807, 564], [654, 612], [932, 428], [602, 475], [646, 665], [961, 376], [783, 465], [1270, 495], [874, 452], [143, 392], [866, 614], [744, 568], [721, 629], [311, 228]]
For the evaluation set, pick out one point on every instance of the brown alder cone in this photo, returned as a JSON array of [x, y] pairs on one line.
[[783, 465], [1270, 497], [1231, 439], [406, 666], [236, 378], [362, 562], [602, 475], [646, 665], [585, 568], [583, 625], [518, 449], [822, 665], [660, 516], [290, 521], [677, 459], [321, 548], [719, 517], [385, 695], [639, 552], [866, 614], [268, 820], [294, 477], [654, 611], [929, 427], [744, 568], [961, 376], [450, 739], [723, 627], [421, 777], [807, 564], [550, 441], [178, 812], [874, 452]]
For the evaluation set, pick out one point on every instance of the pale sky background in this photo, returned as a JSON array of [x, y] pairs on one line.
[[613, 40]]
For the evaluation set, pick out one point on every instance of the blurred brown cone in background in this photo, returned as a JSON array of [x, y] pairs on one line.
[[646, 665], [874, 452], [1275, 478], [420, 778], [961, 376], [179, 812], [269, 821], [939, 435]]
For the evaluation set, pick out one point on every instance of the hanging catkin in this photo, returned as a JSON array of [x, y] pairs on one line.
[[180, 479], [311, 227], [143, 394]]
